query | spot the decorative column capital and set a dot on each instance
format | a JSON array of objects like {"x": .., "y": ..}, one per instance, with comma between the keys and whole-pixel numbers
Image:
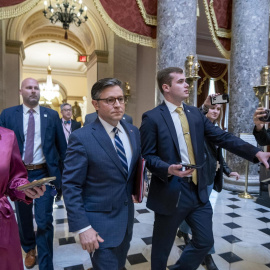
[
  {"x": 15, "y": 47},
  {"x": 97, "y": 56}
]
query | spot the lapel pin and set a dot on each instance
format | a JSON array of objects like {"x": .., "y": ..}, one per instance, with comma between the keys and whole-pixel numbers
[
  {"x": 131, "y": 130},
  {"x": 188, "y": 110},
  {"x": 45, "y": 115}
]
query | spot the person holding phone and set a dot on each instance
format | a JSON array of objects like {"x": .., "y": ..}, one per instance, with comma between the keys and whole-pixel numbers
[
  {"x": 214, "y": 169},
  {"x": 13, "y": 174},
  {"x": 171, "y": 133}
]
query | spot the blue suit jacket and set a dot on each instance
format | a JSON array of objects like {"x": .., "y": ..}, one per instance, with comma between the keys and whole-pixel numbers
[
  {"x": 52, "y": 136},
  {"x": 95, "y": 188},
  {"x": 160, "y": 148},
  {"x": 91, "y": 117}
]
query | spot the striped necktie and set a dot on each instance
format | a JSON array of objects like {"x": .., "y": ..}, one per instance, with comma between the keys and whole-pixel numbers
[
  {"x": 186, "y": 133},
  {"x": 120, "y": 150}
]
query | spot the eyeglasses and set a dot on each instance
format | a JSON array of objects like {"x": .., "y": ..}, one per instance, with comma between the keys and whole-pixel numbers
[
  {"x": 112, "y": 100},
  {"x": 67, "y": 110}
]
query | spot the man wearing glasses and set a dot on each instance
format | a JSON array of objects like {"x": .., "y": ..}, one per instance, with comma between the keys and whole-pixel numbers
[{"x": 97, "y": 187}]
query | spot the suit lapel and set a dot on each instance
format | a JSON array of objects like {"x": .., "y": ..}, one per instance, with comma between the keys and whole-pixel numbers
[
  {"x": 192, "y": 129},
  {"x": 19, "y": 118},
  {"x": 72, "y": 125},
  {"x": 105, "y": 142},
  {"x": 168, "y": 119},
  {"x": 43, "y": 123}
]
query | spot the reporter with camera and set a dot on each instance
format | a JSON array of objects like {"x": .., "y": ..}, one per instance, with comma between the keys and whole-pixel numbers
[{"x": 260, "y": 118}]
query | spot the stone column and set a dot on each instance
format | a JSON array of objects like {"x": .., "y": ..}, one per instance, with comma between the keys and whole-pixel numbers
[
  {"x": 13, "y": 71},
  {"x": 176, "y": 34},
  {"x": 249, "y": 52}
]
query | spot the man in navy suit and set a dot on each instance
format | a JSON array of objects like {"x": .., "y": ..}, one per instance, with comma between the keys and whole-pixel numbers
[
  {"x": 91, "y": 117},
  {"x": 173, "y": 133},
  {"x": 42, "y": 146},
  {"x": 98, "y": 179}
]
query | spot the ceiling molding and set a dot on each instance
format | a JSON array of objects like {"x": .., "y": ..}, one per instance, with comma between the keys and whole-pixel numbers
[{"x": 40, "y": 70}]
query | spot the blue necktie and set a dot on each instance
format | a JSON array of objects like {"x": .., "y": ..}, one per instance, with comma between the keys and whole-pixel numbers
[
  {"x": 120, "y": 150},
  {"x": 67, "y": 122}
]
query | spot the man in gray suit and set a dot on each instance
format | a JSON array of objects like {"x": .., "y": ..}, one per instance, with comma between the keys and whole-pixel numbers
[
  {"x": 98, "y": 187},
  {"x": 91, "y": 117}
]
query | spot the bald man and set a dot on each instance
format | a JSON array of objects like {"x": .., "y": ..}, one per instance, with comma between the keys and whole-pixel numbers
[{"x": 42, "y": 147}]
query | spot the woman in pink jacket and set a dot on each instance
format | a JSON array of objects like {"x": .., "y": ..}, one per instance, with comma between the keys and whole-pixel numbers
[{"x": 12, "y": 175}]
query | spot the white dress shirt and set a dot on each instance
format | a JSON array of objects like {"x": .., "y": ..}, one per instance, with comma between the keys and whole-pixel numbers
[
  {"x": 126, "y": 143},
  {"x": 39, "y": 158},
  {"x": 179, "y": 131}
]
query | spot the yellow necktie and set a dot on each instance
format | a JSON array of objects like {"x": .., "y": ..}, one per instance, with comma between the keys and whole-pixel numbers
[{"x": 185, "y": 128}]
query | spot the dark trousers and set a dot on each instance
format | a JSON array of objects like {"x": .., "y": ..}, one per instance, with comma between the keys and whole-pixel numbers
[
  {"x": 112, "y": 258},
  {"x": 199, "y": 218},
  {"x": 44, "y": 219}
]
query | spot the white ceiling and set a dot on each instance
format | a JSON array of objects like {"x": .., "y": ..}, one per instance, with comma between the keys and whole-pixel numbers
[{"x": 62, "y": 57}]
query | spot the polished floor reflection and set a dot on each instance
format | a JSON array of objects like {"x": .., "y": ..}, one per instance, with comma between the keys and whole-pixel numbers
[{"x": 241, "y": 230}]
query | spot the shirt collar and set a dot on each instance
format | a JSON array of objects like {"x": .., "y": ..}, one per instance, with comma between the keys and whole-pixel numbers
[
  {"x": 63, "y": 120},
  {"x": 26, "y": 109},
  {"x": 172, "y": 107},
  {"x": 108, "y": 127}
]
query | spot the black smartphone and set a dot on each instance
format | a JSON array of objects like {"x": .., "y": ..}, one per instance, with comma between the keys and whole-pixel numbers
[{"x": 192, "y": 166}]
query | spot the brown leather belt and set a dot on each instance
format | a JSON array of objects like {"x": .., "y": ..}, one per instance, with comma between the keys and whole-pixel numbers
[{"x": 31, "y": 167}]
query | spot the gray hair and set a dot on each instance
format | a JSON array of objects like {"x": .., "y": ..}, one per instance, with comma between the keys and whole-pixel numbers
[{"x": 63, "y": 105}]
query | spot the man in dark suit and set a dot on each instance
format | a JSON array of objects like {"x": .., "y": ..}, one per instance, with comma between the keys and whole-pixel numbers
[
  {"x": 91, "y": 117},
  {"x": 173, "y": 133},
  {"x": 98, "y": 179},
  {"x": 68, "y": 124},
  {"x": 41, "y": 141}
]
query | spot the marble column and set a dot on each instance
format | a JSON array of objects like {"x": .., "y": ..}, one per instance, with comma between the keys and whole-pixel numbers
[
  {"x": 176, "y": 34},
  {"x": 249, "y": 52}
]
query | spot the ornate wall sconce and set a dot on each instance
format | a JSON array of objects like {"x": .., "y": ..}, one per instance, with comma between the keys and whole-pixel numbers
[
  {"x": 262, "y": 91},
  {"x": 127, "y": 91},
  {"x": 192, "y": 69}
]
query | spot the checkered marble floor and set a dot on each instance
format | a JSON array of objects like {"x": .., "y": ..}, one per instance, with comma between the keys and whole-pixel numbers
[{"x": 241, "y": 230}]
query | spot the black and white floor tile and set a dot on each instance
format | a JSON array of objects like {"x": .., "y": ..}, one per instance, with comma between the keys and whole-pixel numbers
[{"x": 241, "y": 230}]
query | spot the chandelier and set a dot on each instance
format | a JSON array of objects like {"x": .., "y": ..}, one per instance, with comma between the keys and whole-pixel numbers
[
  {"x": 49, "y": 90},
  {"x": 66, "y": 12}
]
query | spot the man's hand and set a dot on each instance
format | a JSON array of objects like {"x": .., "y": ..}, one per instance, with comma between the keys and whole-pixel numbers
[
  {"x": 263, "y": 157},
  {"x": 258, "y": 114},
  {"x": 35, "y": 192},
  {"x": 89, "y": 240},
  {"x": 175, "y": 169},
  {"x": 234, "y": 174}
]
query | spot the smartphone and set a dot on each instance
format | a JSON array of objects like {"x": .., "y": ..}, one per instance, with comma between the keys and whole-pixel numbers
[
  {"x": 220, "y": 99},
  {"x": 192, "y": 166}
]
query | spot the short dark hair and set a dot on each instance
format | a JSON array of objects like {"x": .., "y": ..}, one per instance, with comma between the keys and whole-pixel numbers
[
  {"x": 63, "y": 105},
  {"x": 164, "y": 76},
  {"x": 100, "y": 85}
]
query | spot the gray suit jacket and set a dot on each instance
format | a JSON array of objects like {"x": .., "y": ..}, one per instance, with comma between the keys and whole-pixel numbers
[{"x": 91, "y": 117}]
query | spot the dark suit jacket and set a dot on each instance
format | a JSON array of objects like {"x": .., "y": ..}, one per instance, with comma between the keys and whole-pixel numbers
[
  {"x": 91, "y": 117},
  {"x": 262, "y": 137},
  {"x": 95, "y": 188},
  {"x": 52, "y": 136},
  {"x": 160, "y": 148},
  {"x": 214, "y": 155}
]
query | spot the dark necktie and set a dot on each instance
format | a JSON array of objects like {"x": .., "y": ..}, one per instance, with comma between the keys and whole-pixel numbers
[
  {"x": 120, "y": 150},
  {"x": 67, "y": 122},
  {"x": 30, "y": 136}
]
